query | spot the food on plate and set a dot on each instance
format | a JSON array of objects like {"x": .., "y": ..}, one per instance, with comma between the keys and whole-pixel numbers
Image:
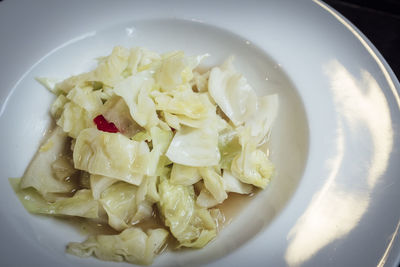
[{"x": 146, "y": 137}]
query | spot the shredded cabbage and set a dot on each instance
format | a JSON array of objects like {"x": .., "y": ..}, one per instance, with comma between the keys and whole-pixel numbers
[{"x": 144, "y": 138}]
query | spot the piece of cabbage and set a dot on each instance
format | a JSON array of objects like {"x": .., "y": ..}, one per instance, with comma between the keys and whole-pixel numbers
[
  {"x": 98, "y": 183},
  {"x": 232, "y": 93},
  {"x": 186, "y": 103},
  {"x": 229, "y": 147},
  {"x": 49, "y": 83},
  {"x": 132, "y": 245},
  {"x": 86, "y": 98},
  {"x": 143, "y": 212},
  {"x": 176, "y": 70},
  {"x": 184, "y": 175},
  {"x": 202, "y": 220},
  {"x": 175, "y": 121},
  {"x": 200, "y": 81},
  {"x": 195, "y": 147},
  {"x": 134, "y": 59},
  {"x": 112, "y": 155},
  {"x": 164, "y": 167},
  {"x": 74, "y": 119},
  {"x": 108, "y": 71},
  {"x": 190, "y": 224},
  {"x": 116, "y": 111},
  {"x": 252, "y": 165},
  {"x": 118, "y": 201},
  {"x": 81, "y": 204},
  {"x": 205, "y": 199},
  {"x": 233, "y": 184},
  {"x": 148, "y": 190},
  {"x": 141, "y": 59},
  {"x": 160, "y": 140},
  {"x": 214, "y": 183},
  {"x": 57, "y": 107},
  {"x": 177, "y": 116},
  {"x": 146, "y": 196},
  {"x": 261, "y": 122},
  {"x": 63, "y": 167},
  {"x": 40, "y": 174},
  {"x": 135, "y": 92},
  {"x": 76, "y": 111},
  {"x": 230, "y": 184}
]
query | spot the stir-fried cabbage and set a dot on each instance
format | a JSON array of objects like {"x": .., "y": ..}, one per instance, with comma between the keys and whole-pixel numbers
[
  {"x": 232, "y": 93},
  {"x": 184, "y": 175},
  {"x": 195, "y": 147},
  {"x": 40, "y": 174},
  {"x": 135, "y": 90},
  {"x": 111, "y": 154},
  {"x": 99, "y": 183},
  {"x": 148, "y": 138},
  {"x": 252, "y": 165},
  {"x": 190, "y": 224},
  {"x": 119, "y": 202},
  {"x": 132, "y": 245},
  {"x": 80, "y": 204},
  {"x": 116, "y": 110}
]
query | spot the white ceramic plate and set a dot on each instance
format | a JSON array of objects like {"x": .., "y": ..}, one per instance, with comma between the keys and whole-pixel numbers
[{"x": 334, "y": 200}]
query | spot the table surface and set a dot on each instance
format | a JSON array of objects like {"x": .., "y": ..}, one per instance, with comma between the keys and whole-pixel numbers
[{"x": 379, "y": 21}]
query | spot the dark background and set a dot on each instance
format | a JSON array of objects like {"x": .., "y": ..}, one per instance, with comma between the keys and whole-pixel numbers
[{"x": 379, "y": 20}]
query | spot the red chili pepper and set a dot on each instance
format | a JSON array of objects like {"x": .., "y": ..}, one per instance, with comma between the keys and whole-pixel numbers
[{"x": 105, "y": 126}]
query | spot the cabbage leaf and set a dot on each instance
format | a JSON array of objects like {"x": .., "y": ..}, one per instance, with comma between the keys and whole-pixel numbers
[
  {"x": 135, "y": 92},
  {"x": 98, "y": 183},
  {"x": 231, "y": 91},
  {"x": 109, "y": 71},
  {"x": 95, "y": 152},
  {"x": 190, "y": 224},
  {"x": 132, "y": 245},
  {"x": 184, "y": 175},
  {"x": 252, "y": 165},
  {"x": 194, "y": 147},
  {"x": 74, "y": 119},
  {"x": 214, "y": 183},
  {"x": 81, "y": 204},
  {"x": 116, "y": 111},
  {"x": 233, "y": 184},
  {"x": 40, "y": 174},
  {"x": 118, "y": 201},
  {"x": 261, "y": 122},
  {"x": 176, "y": 70}
]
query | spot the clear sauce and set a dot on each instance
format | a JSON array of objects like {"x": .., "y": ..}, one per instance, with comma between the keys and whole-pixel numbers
[
  {"x": 89, "y": 227},
  {"x": 232, "y": 206}
]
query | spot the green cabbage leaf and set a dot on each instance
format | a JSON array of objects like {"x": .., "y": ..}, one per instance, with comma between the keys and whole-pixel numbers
[{"x": 132, "y": 245}]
